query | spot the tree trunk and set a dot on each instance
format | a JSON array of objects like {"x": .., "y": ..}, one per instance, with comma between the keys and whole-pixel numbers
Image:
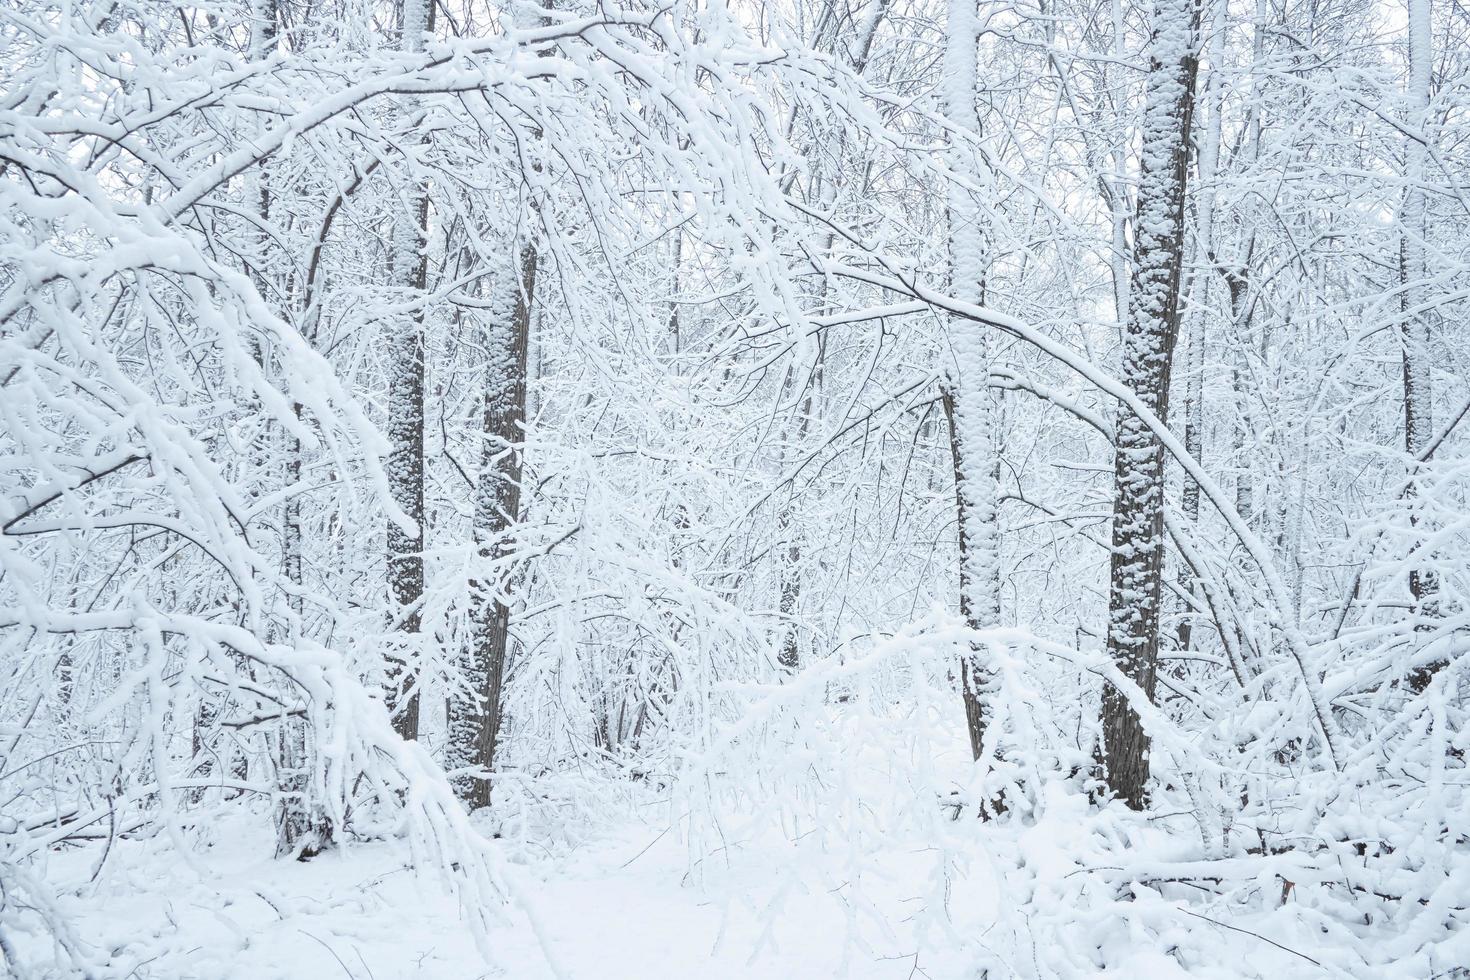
[
  {"x": 979, "y": 584},
  {"x": 302, "y": 827},
  {"x": 1194, "y": 445},
  {"x": 1200, "y": 283},
  {"x": 475, "y": 726},
  {"x": 1148, "y": 352},
  {"x": 406, "y": 427},
  {"x": 1413, "y": 268},
  {"x": 968, "y": 400},
  {"x": 790, "y": 655}
]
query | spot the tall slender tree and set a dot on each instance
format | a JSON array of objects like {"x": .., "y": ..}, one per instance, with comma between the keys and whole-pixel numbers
[
  {"x": 475, "y": 724},
  {"x": 967, "y": 397},
  {"x": 1413, "y": 271},
  {"x": 1199, "y": 286},
  {"x": 1136, "y": 566},
  {"x": 406, "y": 419}
]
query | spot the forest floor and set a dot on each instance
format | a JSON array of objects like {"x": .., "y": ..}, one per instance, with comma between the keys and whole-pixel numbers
[
  {"x": 620, "y": 907},
  {"x": 619, "y": 893}
]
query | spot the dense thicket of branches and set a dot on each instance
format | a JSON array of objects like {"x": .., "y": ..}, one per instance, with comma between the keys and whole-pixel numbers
[{"x": 417, "y": 408}]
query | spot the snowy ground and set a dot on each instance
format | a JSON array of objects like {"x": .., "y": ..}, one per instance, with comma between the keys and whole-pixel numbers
[
  {"x": 623, "y": 907},
  {"x": 888, "y": 888}
]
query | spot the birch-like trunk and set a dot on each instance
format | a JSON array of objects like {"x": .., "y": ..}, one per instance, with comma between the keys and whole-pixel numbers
[
  {"x": 1148, "y": 353},
  {"x": 789, "y": 656},
  {"x": 967, "y": 399},
  {"x": 1414, "y": 270}
]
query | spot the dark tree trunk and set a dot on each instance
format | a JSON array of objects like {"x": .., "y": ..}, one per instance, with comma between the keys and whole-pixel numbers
[
  {"x": 475, "y": 726},
  {"x": 406, "y": 429},
  {"x": 1148, "y": 352}
]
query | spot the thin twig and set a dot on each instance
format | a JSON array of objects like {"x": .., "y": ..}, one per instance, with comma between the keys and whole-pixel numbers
[{"x": 1226, "y": 925}]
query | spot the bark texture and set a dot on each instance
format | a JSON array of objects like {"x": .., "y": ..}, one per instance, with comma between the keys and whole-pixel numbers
[
  {"x": 1148, "y": 351},
  {"x": 475, "y": 725},
  {"x": 968, "y": 399},
  {"x": 406, "y": 427},
  {"x": 1418, "y": 381}
]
